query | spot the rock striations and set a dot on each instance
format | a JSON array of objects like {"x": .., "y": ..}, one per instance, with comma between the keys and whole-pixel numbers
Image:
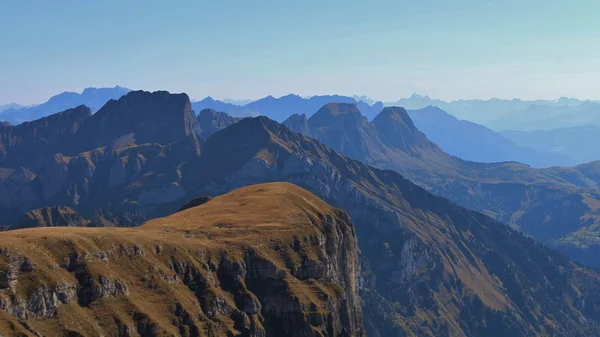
[{"x": 265, "y": 260}]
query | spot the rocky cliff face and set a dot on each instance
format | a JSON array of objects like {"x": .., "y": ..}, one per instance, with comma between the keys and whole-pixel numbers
[
  {"x": 29, "y": 144},
  {"x": 267, "y": 260},
  {"x": 143, "y": 117},
  {"x": 125, "y": 156}
]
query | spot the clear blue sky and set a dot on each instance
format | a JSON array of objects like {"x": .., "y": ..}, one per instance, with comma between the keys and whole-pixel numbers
[{"x": 251, "y": 48}]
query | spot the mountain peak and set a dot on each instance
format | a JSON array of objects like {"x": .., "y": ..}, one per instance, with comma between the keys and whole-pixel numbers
[
  {"x": 398, "y": 128},
  {"x": 330, "y": 112},
  {"x": 147, "y": 117},
  {"x": 396, "y": 114},
  {"x": 211, "y": 121},
  {"x": 298, "y": 123}
]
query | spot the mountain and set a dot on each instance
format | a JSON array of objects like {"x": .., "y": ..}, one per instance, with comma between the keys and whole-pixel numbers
[
  {"x": 542, "y": 117},
  {"x": 514, "y": 114},
  {"x": 138, "y": 118},
  {"x": 31, "y": 142},
  {"x": 50, "y": 217},
  {"x": 474, "y": 142},
  {"x": 573, "y": 141},
  {"x": 298, "y": 124},
  {"x": 428, "y": 267},
  {"x": 548, "y": 204},
  {"x": 132, "y": 146},
  {"x": 67, "y": 217},
  {"x": 209, "y": 103},
  {"x": 94, "y": 98},
  {"x": 239, "y": 102},
  {"x": 211, "y": 121},
  {"x": 8, "y": 106},
  {"x": 365, "y": 99},
  {"x": 266, "y": 260},
  {"x": 281, "y": 108},
  {"x": 432, "y": 268}
]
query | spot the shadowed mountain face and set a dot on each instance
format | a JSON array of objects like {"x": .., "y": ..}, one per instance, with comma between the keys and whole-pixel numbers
[
  {"x": 67, "y": 217},
  {"x": 141, "y": 117},
  {"x": 549, "y": 204},
  {"x": 31, "y": 142},
  {"x": 475, "y": 142},
  {"x": 429, "y": 267},
  {"x": 575, "y": 141},
  {"x": 211, "y": 121},
  {"x": 89, "y": 162},
  {"x": 94, "y": 98}
]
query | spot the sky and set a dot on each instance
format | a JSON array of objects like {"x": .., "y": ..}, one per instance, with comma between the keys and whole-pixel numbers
[{"x": 447, "y": 49}]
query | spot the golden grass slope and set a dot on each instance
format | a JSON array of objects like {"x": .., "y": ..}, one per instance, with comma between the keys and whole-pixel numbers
[{"x": 258, "y": 260}]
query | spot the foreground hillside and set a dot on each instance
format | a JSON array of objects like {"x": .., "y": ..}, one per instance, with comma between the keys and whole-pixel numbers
[{"x": 266, "y": 260}]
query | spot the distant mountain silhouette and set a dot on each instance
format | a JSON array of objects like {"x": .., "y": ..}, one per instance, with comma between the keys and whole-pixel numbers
[
  {"x": 574, "y": 141},
  {"x": 513, "y": 114},
  {"x": 474, "y": 142},
  {"x": 94, "y": 98},
  {"x": 279, "y": 109},
  {"x": 211, "y": 121},
  {"x": 542, "y": 117},
  {"x": 10, "y": 106}
]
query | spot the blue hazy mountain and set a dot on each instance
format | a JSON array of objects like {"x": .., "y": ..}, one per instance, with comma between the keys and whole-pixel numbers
[
  {"x": 513, "y": 114},
  {"x": 237, "y": 101},
  {"x": 10, "y": 106},
  {"x": 94, "y": 98},
  {"x": 279, "y": 109},
  {"x": 578, "y": 142},
  {"x": 475, "y": 142},
  {"x": 543, "y": 117}
]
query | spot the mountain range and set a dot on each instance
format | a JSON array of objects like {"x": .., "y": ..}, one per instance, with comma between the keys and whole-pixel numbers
[
  {"x": 475, "y": 142},
  {"x": 453, "y": 135},
  {"x": 8, "y": 106},
  {"x": 574, "y": 141},
  {"x": 553, "y": 205},
  {"x": 428, "y": 266},
  {"x": 94, "y": 98},
  {"x": 281, "y": 108},
  {"x": 515, "y": 114}
]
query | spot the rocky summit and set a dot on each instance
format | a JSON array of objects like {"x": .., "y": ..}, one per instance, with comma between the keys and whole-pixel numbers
[{"x": 265, "y": 260}]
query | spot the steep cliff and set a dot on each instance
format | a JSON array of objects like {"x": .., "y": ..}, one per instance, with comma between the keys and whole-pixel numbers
[{"x": 265, "y": 260}]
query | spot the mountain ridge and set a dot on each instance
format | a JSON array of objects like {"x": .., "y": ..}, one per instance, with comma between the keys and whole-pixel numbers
[
  {"x": 94, "y": 98},
  {"x": 474, "y": 142}
]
